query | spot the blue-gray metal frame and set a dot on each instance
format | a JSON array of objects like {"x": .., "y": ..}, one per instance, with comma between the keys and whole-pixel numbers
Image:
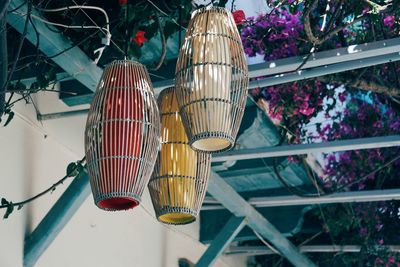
[
  {"x": 55, "y": 220},
  {"x": 221, "y": 241},
  {"x": 303, "y": 149},
  {"x": 74, "y": 61},
  {"x": 228, "y": 197}
]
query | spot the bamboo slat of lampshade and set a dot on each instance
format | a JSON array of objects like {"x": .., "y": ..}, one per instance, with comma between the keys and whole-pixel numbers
[
  {"x": 179, "y": 181},
  {"x": 122, "y": 136},
  {"x": 211, "y": 80}
]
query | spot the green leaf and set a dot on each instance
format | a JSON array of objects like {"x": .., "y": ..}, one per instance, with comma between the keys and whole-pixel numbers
[
  {"x": 151, "y": 30},
  {"x": 9, "y": 118},
  {"x": 222, "y": 3},
  {"x": 20, "y": 86},
  {"x": 72, "y": 169},
  {"x": 41, "y": 80},
  {"x": 51, "y": 75},
  {"x": 9, "y": 210},
  {"x": 4, "y": 201},
  {"x": 170, "y": 28},
  {"x": 80, "y": 167}
]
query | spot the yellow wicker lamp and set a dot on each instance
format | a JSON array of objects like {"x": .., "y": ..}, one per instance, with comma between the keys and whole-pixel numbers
[
  {"x": 179, "y": 181},
  {"x": 211, "y": 80}
]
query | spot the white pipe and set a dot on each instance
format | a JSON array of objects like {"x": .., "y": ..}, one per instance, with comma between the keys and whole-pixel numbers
[
  {"x": 258, "y": 250},
  {"x": 344, "y": 197},
  {"x": 302, "y": 149}
]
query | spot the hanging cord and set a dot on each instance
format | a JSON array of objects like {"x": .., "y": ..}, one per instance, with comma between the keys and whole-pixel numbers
[
  {"x": 126, "y": 30},
  {"x": 19, "y": 47},
  {"x": 180, "y": 26},
  {"x": 105, "y": 30},
  {"x": 165, "y": 14}
]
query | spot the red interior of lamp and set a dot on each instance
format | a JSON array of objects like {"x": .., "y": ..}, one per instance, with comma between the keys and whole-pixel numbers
[{"x": 118, "y": 203}]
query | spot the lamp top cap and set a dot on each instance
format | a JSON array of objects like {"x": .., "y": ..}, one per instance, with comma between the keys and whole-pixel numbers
[
  {"x": 125, "y": 62},
  {"x": 215, "y": 9}
]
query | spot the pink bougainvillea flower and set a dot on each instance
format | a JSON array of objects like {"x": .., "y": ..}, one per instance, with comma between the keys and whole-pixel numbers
[
  {"x": 307, "y": 111},
  {"x": 122, "y": 2},
  {"x": 388, "y": 21},
  {"x": 391, "y": 259},
  {"x": 238, "y": 16},
  {"x": 139, "y": 38}
]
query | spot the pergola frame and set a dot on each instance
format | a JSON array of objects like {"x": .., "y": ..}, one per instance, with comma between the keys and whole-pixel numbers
[{"x": 79, "y": 66}]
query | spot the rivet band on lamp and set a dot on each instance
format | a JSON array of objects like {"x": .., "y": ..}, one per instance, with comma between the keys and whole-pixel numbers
[
  {"x": 179, "y": 181},
  {"x": 212, "y": 80},
  {"x": 122, "y": 135}
]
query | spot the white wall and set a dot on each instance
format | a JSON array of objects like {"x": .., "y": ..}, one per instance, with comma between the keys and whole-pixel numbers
[{"x": 35, "y": 155}]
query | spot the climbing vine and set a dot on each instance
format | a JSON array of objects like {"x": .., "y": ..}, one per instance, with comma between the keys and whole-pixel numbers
[{"x": 355, "y": 104}]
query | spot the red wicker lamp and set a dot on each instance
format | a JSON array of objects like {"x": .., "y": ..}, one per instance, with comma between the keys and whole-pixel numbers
[{"x": 122, "y": 136}]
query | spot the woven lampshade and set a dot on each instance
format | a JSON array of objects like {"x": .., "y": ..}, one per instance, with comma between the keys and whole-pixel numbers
[
  {"x": 122, "y": 136},
  {"x": 211, "y": 80},
  {"x": 179, "y": 181}
]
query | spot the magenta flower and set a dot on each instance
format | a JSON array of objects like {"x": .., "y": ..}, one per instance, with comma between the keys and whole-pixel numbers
[{"x": 388, "y": 21}]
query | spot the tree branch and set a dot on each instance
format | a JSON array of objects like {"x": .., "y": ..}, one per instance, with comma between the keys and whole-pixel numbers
[
  {"x": 163, "y": 43},
  {"x": 376, "y": 6},
  {"x": 318, "y": 40},
  {"x": 72, "y": 171},
  {"x": 307, "y": 24},
  {"x": 363, "y": 85}
]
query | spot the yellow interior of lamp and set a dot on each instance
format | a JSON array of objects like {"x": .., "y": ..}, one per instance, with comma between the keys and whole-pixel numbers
[
  {"x": 211, "y": 144},
  {"x": 177, "y": 192},
  {"x": 178, "y": 164},
  {"x": 177, "y": 218}
]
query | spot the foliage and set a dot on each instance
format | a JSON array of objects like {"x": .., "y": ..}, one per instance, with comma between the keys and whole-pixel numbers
[
  {"x": 282, "y": 33},
  {"x": 374, "y": 223},
  {"x": 73, "y": 170},
  {"x": 363, "y": 117},
  {"x": 295, "y": 28},
  {"x": 147, "y": 21}
]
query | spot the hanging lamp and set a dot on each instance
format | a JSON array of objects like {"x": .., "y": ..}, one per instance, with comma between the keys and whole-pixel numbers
[
  {"x": 179, "y": 181},
  {"x": 212, "y": 80},
  {"x": 122, "y": 135}
]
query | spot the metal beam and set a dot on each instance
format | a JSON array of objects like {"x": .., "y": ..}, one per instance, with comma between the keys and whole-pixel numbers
[
  {"x": 325, "y": 147},
  {"x": 344, "y": 197},
  {"x": 319, "y": 64},
  {"x": 72, "y": 198},
  {"x": 221, "y": 241},
  {"x": 225, "y": 194},
  {"x": 334, "y": 56},
  {"x": 74, "y": 61},
  {"x": 55, "y": 220},
  {"x": 304, "y": 74},
  {"x": 324, "y": 70},
  {"x": 262, "y": 250}
]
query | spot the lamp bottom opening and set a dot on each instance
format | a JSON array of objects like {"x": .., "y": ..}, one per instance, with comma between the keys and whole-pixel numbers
[
  {"x": 177, "y": 218},
  {"x": 212, "y": 144},
  {"x": 118, "y": 203}
]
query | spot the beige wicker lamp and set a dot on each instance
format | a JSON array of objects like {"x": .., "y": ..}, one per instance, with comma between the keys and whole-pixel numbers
[
  {"x": 122, "y": 136},
  {"x": 211, "y": 80},
  {"x": 179, "y": 181}
]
